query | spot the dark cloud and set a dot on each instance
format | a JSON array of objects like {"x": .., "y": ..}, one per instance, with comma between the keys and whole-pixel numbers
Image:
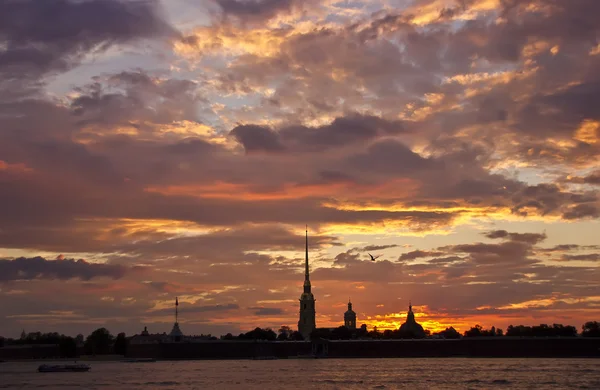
[
  {"x": 586, "y": 257},
  {"x": 390, "y": 157},
  {"x": 497, "y": 234},
  {"x": 54, "y": 35},
  {"x": 266, "y": 311},
  {"x": 39, "y": 268},
  {"x": 505, "y": 250},
  {"x": 197, "y": 308},
  {"x": 531, "y": 238},
  {"x": 139, "y": 98},
  {"x": 563, "y": 247},
  {"x": 258, "y": 10},
  {"x": 588, "y": 210},
  {"x": 593, "y": 178},
  {"x": 348, "y": 130},
  {"x": 378, "y": 247},
  {"x": 257, "y": 138},
  {"x": 418, "y": 254}
]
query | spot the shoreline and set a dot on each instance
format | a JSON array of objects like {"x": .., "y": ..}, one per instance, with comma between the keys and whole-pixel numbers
[{"x": 45, "y": 361}]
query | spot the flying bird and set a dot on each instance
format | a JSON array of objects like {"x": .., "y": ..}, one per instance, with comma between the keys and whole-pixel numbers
[{"x": 374, "y": 258}]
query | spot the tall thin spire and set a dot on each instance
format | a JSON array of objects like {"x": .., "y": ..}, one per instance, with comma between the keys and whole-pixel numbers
[
  {"x": 306, "y": 272},
  {"x": 306, "y": 261},
  {"x": 306, "y": 322},
  {"x": 176, "y": 309}
]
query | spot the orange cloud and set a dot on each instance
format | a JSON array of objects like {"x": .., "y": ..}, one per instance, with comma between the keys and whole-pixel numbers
[
  {"x": 14, "y": 168},
  {"x": 345, "y": 189}
]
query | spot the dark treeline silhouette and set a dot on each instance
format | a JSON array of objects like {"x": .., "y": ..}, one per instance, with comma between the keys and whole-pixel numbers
[
  {"x": 67, "y": 345},
  {"x": 542, "y": 330},
  {"x": 285, "y": 334},
  {"x": 343, "y": 333},
  {"x": 591, "y": 329},
  {"x": 101, "y": 341},
  {"x": 478, "y": 331},
  {"x": 448, "y": 333}
]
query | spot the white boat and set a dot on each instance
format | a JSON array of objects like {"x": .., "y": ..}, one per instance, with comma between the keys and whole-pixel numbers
[{"x": 64, "y": 368}]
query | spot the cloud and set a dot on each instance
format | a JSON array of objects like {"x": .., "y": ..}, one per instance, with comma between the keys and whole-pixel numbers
[
  {"x": 532, "y": 238},
  {"x": 266, "y": 311},
  {"x": 54, "y": 36},
  {"x": 222, "y": 244},
  {"x": 197, "y": 308},
  {"x": 585, "y": 257},
  {"x": 378, "y": 247},
  {"x": 256, "y": 138},
  {"x": 259, "y": 10},
  {"x": 39, "y": 268},
  {"x": 342, "y": 131},
  {"x": 418, "y": 254},
  {"x": 145, "y": 101}
]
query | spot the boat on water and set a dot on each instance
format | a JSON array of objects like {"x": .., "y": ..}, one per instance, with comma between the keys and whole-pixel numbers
[
  {"x": 64, "y": 368},
  {"x": 139, "y": 360}
]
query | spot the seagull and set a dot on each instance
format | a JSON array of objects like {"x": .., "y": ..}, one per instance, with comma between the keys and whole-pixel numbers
[{"x": 374, "y": 258}]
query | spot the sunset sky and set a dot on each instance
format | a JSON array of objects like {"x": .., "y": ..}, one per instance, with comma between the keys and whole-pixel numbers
[{"x": 154, "y": 149}]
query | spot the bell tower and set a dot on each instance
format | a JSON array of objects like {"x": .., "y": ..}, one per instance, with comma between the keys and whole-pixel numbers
[
  {"x": 350, "y": 317},
  {"x": 307, "y": 322}
]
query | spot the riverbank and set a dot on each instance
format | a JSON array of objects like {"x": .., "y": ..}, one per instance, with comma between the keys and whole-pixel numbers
[{"x": 466, "y": 347}]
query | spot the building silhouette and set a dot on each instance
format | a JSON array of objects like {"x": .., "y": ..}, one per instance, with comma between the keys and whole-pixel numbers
[
  {"x": 307, "y": 321},
  {"x": 411, "y": 328},
  {"x": 176, "y": 333},
  {"x": 350, "y": 317}
]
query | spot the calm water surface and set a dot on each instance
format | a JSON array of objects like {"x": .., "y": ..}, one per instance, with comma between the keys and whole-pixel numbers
[{"x": 453, "y": 373}]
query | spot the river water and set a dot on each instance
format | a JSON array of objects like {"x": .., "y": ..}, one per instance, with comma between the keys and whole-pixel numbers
[{"x": 454, "y": 373}]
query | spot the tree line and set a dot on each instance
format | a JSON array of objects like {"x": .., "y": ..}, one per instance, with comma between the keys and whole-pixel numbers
[
  {"x": 101, "y": 341},
  {"x": 285, "y": 333}
]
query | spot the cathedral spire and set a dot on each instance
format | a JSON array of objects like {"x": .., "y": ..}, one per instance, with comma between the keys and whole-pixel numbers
[
  {"x": 306, "y": 322},
  {"x": 306, "y": 259},
  {"x": 176, "y": 334},
  {"x": 307, "y": 286}
]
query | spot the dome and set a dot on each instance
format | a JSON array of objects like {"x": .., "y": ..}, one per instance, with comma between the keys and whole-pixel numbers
[{"x": 411, "y": 329}]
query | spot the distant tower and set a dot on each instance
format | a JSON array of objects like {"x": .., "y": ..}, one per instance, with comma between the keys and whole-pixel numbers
[
  {"x": 23, "y": 335},
  {"x": 307, "y": 322},
  {"x": 176, "y": 334},
  {"x": 350, "y": 317}
]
